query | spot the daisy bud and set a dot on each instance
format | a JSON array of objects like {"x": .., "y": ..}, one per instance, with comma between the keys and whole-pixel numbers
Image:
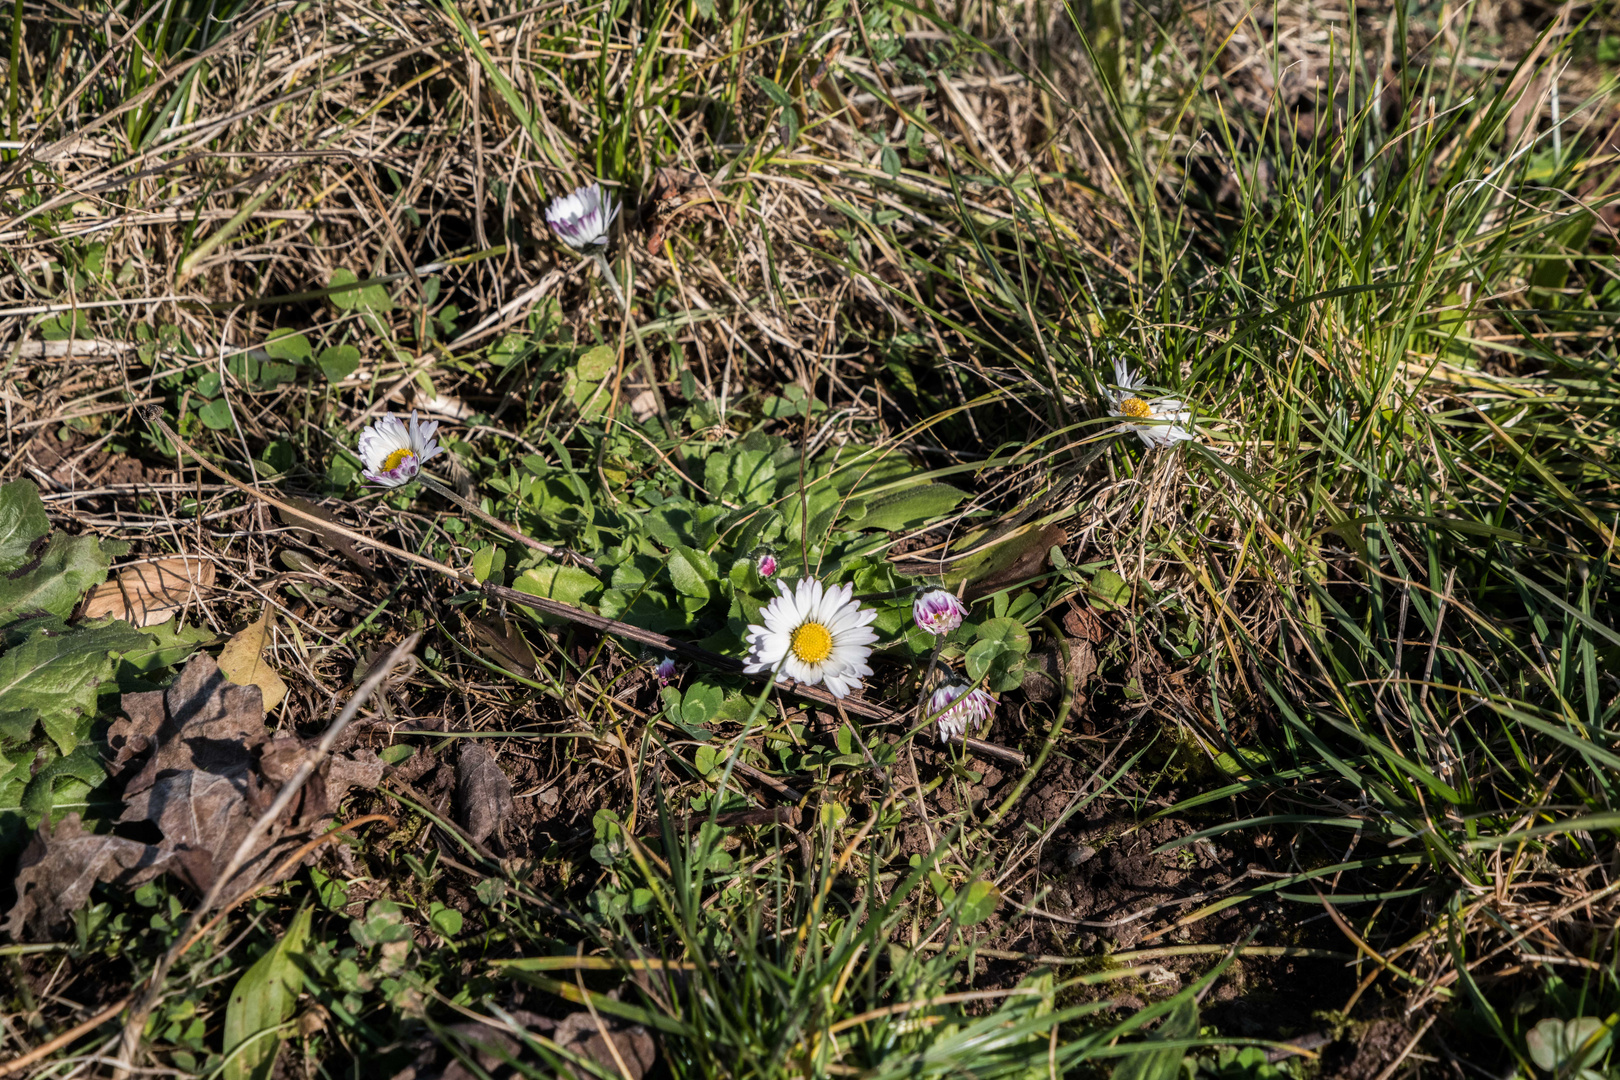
[
  {"x": 959, "y": 710},
  {"x": 581, "y": 218},
  {"x": 938, "y": 612},
  {"x": 815, "y": 635},
  {"x": 766, "y": 565},
  {"x": 665, "y": 670},
  {"x": 393, "y": 451}
]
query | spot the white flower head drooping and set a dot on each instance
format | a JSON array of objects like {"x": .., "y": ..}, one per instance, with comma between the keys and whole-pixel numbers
[
  {"x": 581, "y": 218},
  {"x": 959, "y": 710},
  {"x": 815, "y": 635},
  {"x": 393, "y": 451},
  {"x": 1160, "y": 421},
  {"x": 938, "y": 612}
]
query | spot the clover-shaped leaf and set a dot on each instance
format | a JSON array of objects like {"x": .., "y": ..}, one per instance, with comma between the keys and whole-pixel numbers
[
  {"x": 997, "y": 656},
  {"x": 1565, "y": 1047}
]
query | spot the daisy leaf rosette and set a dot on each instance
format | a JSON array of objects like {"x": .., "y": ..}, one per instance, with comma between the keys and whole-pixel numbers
[
  {"x": 814, "y": 635},
  {"x": 1159, "y": 421},
  {"x": 581, "y": 218},
  {"x": 394, "y": 450}
]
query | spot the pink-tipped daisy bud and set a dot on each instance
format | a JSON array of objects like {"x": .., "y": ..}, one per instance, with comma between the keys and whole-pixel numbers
[
  {"x": 959, "y": 710},
  {"x": 938, "y": 612},
  {"x": 665, "y": 670},
  {"x": 766, "y": 565}
]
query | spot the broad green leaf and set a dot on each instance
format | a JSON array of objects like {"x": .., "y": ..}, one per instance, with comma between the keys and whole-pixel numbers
[
  {"x": 486, "y": 561},
  {"x": 53, "y": 582},
  {"x": 216, "y": 415},
  {"x": 262, "y": 1000},
  {"x": 588, "y": 384},
  {"x": 366, "y": 298},
  {"x": 997, "y": 656},
  {"x": 774, "y": 91},
  {"x": 22, "y": 521},
  {"x": 62, "y": 784},
  {"x": 446, "y": 921},
  {"x": 916, "y": 506},
  {"x": 1111, "y": 590},
  {"x": 288, "y": 345},
  {"x": 692, "y": 572},
  {"x": 384, "y": 922},
  {"x": 565, "y": 584},
  {"x": 979, "y": 903},
  {"x": 339, "y": 362},
  {"x": 51, "y": 679},
  {"x": 745, "y": 476}
]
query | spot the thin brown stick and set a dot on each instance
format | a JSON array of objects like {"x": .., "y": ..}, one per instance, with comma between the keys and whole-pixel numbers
[
  {"x": 433, "y": 485},
  {"x": 565, "y": 611}
]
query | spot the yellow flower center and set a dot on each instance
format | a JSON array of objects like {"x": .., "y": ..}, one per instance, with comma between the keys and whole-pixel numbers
[
  {"x": 812, "y": 643},
  {"x": 1136, "y": 408},
  {"x": 396, "y": 459}
]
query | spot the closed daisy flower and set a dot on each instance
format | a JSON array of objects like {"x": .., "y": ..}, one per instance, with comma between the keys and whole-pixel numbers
[
  {"x": 959, "y": 710},
  {"x": 582, "y": 217},
  {"x": 394, "y": 451},
  {"x": 814, "y": 635},
  {"x": 1157, "y": 421},
  {"x": 938, "y": 612}
]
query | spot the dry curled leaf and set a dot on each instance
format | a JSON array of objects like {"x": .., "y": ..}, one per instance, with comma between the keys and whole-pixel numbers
[
  {"x": 244, "y": 663},
  {"x": 587, "y": 1036},
  {"x": 150, "y": 592},
  {"x": 57, "y": 871},
  {"x": 483, "y": 792},
  {"x": 199, "y": 765},
  {"x": 678, "y": 194}
]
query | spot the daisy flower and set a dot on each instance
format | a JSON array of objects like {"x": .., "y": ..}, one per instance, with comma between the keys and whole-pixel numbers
[
  {"x": 959, "y": 710},
  {"x": 815, "y": 635},
  {"x": 582, "y": 217},
  {"x": 1157, "y": 421},
  {"x": 938, "y": 612},
  {"x": 766, "y": 565},
  {"x": 394, "y": 451}
]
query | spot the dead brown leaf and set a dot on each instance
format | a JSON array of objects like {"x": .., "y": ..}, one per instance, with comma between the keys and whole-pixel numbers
[
  {"x": 504, "y": 644},
  {"x": 679, "y": 194},
  {"x": 583, "y": 1034},
  {"x": 483, "y": 792},
  {"x": 150, "y": 592},
  {"x": 198, "y": 764},
  {"x": 57, "y": 871},
  {"x": 243, "y": 660}
]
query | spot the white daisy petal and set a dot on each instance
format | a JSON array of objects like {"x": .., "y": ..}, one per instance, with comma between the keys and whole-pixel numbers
[
  {"x": 393, "y": 451},
  {"x": 814, "y": 635},
  {"x": 1161, "y": 421},
  {"x": 581, "y": 218}
]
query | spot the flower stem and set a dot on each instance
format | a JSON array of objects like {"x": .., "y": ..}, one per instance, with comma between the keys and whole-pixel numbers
[{"x": 613, "y": 282}]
